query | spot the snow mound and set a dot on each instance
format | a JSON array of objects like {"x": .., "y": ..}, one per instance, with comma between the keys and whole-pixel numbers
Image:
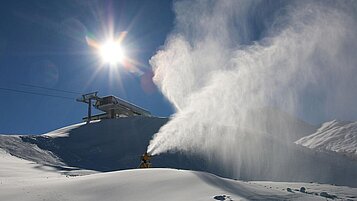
[
  {"x": 335, "y": 136},
  {"x": 107, "y": 145}
]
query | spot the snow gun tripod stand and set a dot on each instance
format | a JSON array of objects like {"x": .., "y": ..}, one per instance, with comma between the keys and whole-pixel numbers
[{"x": 145, "y": 161}]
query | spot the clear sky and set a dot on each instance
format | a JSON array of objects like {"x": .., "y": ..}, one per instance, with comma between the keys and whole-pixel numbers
[{"x": 43, "y": 43}]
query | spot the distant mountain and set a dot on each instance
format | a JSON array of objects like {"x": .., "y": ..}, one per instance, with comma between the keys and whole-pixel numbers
[{"x": 334, "y": 136}]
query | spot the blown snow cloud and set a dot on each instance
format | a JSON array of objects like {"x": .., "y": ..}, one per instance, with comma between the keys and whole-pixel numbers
[{"x": 226, "y": 59}]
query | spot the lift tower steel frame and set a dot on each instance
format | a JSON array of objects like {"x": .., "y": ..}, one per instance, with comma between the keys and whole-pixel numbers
[{"x": 87, "y": 98}]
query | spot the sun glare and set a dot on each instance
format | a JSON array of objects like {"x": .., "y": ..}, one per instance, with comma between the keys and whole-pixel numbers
[{"x": 111, "y": 52}]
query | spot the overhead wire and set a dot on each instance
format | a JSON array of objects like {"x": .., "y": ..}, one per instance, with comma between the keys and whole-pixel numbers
[
  {"x": 49, "y": 88},
  {"x": 35, "y": 93}
]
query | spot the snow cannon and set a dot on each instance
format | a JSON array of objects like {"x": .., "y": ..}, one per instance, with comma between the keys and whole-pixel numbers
[{"x": 145, "y": 161}]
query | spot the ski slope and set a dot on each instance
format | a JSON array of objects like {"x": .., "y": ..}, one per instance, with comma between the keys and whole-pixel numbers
[
  {"x": 117, "y": 144},
  {"x": 334, "y": 136},
  {"x": 22, "y": 180}
]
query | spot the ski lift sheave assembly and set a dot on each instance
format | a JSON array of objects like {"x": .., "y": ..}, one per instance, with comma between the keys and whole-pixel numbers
[{"x": 87, "y": 98}]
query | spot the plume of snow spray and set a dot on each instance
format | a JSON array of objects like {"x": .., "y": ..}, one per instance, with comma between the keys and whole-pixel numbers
[{"x": 226, "y": 62}]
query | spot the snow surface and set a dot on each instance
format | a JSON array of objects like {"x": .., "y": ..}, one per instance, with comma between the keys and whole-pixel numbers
[
  {"x": 335, "y": 136},
  {"x": 68, "y": 164},
  {"x": 117, "y": 144},
  {"x": 24, "y": 180},
  {"x": 63, "y": 132},
  {"x": 15, "y": 145},
  {"x": 13, "y": 167},
  {"x": 338, "y": 192}
]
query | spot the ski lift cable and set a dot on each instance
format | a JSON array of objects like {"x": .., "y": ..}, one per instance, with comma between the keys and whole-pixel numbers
[
  {"x": 49, "y": 88},
  {"x": 35, "y": 93}
]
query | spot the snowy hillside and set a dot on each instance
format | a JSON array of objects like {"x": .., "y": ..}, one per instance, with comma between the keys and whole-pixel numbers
[
  {"x": 113, "y": 144},
  {"x": 117, "y": 144},
  {"x": 22, "y": 180},
  {"x": 335, "y": 136}
]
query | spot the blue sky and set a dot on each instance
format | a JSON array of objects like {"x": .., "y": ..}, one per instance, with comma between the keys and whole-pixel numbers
[{"x": 43, "y": 43}]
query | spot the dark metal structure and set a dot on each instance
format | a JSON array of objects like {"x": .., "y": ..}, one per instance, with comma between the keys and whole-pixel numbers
[{"x": 113, "y": 107}]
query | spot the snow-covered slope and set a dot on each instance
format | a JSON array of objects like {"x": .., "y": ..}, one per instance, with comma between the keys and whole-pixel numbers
[
  {"x": 113, "y": 144},
  {"x": 14, "y": 167},
  {"x": 14, "y": 145},
  {"x": 22, "y": 180},
  {"x": 117, "y": 144},
  {"x": 335, "y": 136},
  {"x": 107, "y": 145}
]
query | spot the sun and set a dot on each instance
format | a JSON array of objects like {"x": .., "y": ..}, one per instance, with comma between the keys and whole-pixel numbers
[{"x": 112, "y": 52}]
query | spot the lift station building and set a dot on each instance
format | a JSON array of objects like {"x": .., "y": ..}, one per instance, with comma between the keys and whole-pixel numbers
[{"x": 111, "y": 106}]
